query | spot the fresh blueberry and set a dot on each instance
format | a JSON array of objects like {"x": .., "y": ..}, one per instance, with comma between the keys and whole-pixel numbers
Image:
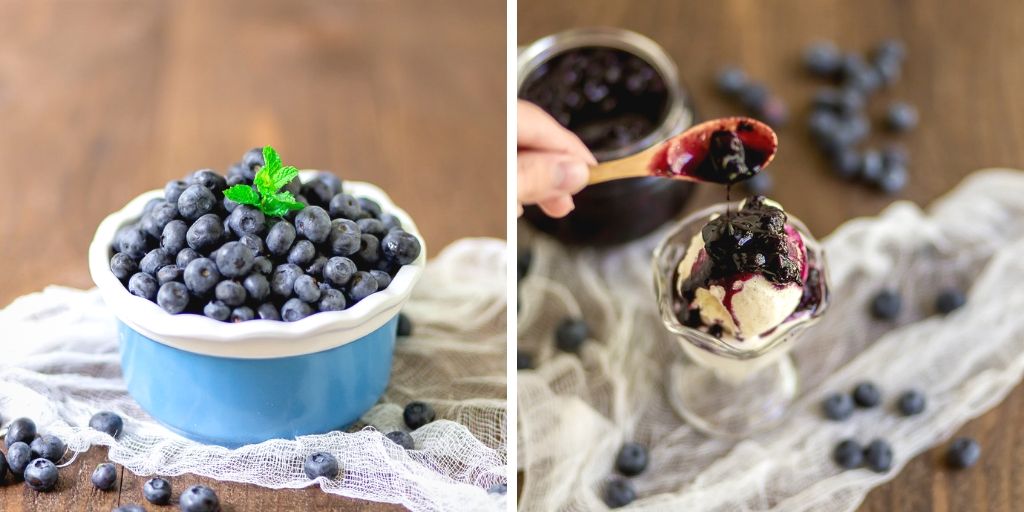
[
  {"x": 846, "y": 163},
  {"x": 173, "y": 237},
  {"x": 41, "y": 475},
  {"x": 370, "y": 207},
  {"x": 242, "y": 314},
  {"x": 731, "y": 80},
  {"x": 570, "y": 334},
  {"x": 268, "y": 311},
  {"x": 871, "y": 166},
  {"x": 403, "y": 439},
  {"x": 20, "y": 430},
  {"x": 949, "y": 300},
  {"x": 895, "y": 154},
  {"x": 307, "y": 289},
  {"x": 253, "y": 160},
  {"x": 774, "y": 111},
  {"x": 752, "y": 96},
  {"x": 361, "y": 286},
  {"x": 173, "y": 190},
  {"x": 256, "y": 286},
  {"x": 280, "y": 238},
  {"x": 49, "y": 447},
  {"x": 524, "y": 360},
  {"x": 123, "y": 266},
  {"x": 400, "y": 247},
  {"x": 230, "y": 293},
  {"x": 199, "y": 498},
  {"x": 129, "y": 508},
  {"x": 866, "y": 395},
  {"x": 344, "y": 206},
  {"x": 254, "y": 243},
  {"x": 155, "y": 260},
  {"x": 157, "y": 491},
  {"x": 104, "y": 476},
  {"x": 205, "y": 233},
  {"x": 760, "y": 184},
  {"x": 143, "y": 285},
  {"x": 878, "y": 456},
  {"x": 247, "y": 220},
  {"x": 294, "y": 310},
  {"x": 210, "y": 179},
  {"x": 195, "y": 202},
  {"x": 838, "y": 406},
  {"x": 369, "y": 248},
  {"x": 303, "y": 253},
  {"x": 417, "y": 414},
  {"x": 108, "y": 422},
  {"x": 18, "y": 457},
  {"x": 372, "y": 226},
  {"x": 154, "y": 222},
  {"x": 186, "y": 256},
  {"x": 313, "y": 223},
  {"x": 316, "y": 267},
  {"x": 201, "y": 276},
  {"x": 404, "y": 325},
  {"x": 501, "y": 489},
  {"x": 619, "y": 492},
  {"x": 632, "y": 459},
  {"x": 886, "y": 305},
  {"x": 890, "y": 49},
  {"x": 848, "y": 454},
  {"x": 823, "y": 59},
  {"x": 282, "y": 282},
  {"x": 911, "y": 402},
  {"x": 889, "y": 69},
  {"x": 152, "y": 203},
  {"x": 234, "y": 259},
  {"x": 339, "y": 270},
  {"x": 262, "y": 265},
  {"x": 858, "y": 74},
  {"x": 173, "y": 297},
  {"x": 893, "y": 179},
  {"x": 331, "y": 300},
  {"x": 383, "y": 279},
  {"x": 3, "y": 467},
  {"x": 217, "y": 310},
  {"x": 964, "y": 452},
  {"x": 901, "y": 117},
  {"x": 321, "y": 464},
  {"x": 524, "y": 260},
  {"x": 317, "y": 192},
  {"x": 390, "y": 222},
  {"x": 132, "y": 241},
  {"x": 344, "y": 239}
]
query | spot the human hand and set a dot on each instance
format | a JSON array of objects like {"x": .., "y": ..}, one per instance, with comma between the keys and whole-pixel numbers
[{"x": 553, "y": 164}]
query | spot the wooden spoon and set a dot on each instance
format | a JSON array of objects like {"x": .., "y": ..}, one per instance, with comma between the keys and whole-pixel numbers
[{"x": 721, "y": 151}]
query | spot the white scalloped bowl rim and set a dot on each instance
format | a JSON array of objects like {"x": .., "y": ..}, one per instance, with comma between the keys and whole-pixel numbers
[{"x": 148, "y": 318}]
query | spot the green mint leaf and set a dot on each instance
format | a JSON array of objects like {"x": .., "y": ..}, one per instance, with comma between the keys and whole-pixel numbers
[
  {"x": 264, "y": 182},
  {"x": 275, "y": 210},
  {"x": 283, "y": 176},
  {"x": 243, "y": 194},
  {"x": 288, "y": 200},
  {"x": 271, "y": 159}
]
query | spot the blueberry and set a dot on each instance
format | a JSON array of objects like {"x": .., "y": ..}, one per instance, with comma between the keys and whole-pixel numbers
[
  {"x": 878, "y": 456},
  {"x": 217, "y": 310},
  {"x": 570, "y": 334},
  {"x": 866, "y": 395},
  {"x": 632, "y": 459},
  {"x": 199, "y": 498},
  {"x": 41, "y": 475},
  {"x": 871, "y": 165},
  {"x": 155, "y": 260},
  {"x": 344, "y": 206},
  {"x": 3, "y": 467},
  {"x": 846, "y": 163},
  {"x": 911, "y": 402},
  {"x": 344, "y": 239},
  {"x": 753, "y": 96},
  {"x": 401, "y": 247},
  {"x": 760, "y": 184},
  {"x": 404, "y": 325},
  {"x": 501, "y": 489},
  {"x": 402, "y": 439},
  {"x": 889, "y": 69},
  {"x": 201, "y": 276},
  {"x": 369, "y": 248},
  {"x": 123, "y": 266},
  {"x": 20, "y": 430},
  {"x": 173, "y": 297},
  {"x": 173, "y": 190},
  {"x": 886, "y": 305},
  {"x": 280, "y": 238},
  {"x": 48, "y": 447},
  {"x": 321, "y": 464},
  {"x": 949, "y": 300},
  {"x": 313, "y": 223},
  {"x": 230, "y": 293},
  {"x": 173, "y": 237},
  {"x": 254, "y": 243},
  {"x": 390, "y": 222},
  {"x": 253, "y": 160},
  {"x": 143, "y": 285},
  {"x": 893, "y": 179},
  {"x": 619, "y": 492},
  {"x": 838, "y": 406},
  {"x": 282, "y": 282},
  {"x": 154, "y": 222},
  {"x": 256, "y": 286},
  {"x": 186, "y": 256},
  {"x": 104, "y": 476},
  {"x": 823, "y": 59},
  {"x": 383, "y": 279},
  {"x": 132, "y": 241},
  {"x": 107, "y": 422},
  {"x": 268, "y": 311},
  {"x": 848, "y": 454},
  {"x": 339, "y": 270},
  {"x": 317, "y": 192},
  {"x": 210, "y": 179},
  {"x": 242, "y": 314},
  {"x": 964, "y": 452},
  {"x": 331, "y": 300},
  {"x": 858, "y": 74},
  {"x": 307, "y": 289},
  {"x": 845, "y": 102},
  {"x": 247, "y": 220},
  {"x": 773, "y": 111},
  {"x": 524, "y": 360},
  {"x": 417, "y": 414},
  {"x": 150, "y": 205},
  {"x": 524, "y": 260},
  {"x": 262, "y": 265},
  {"x": 890, "y": 49},
  {"x": 895, "y": 154},
  {"x": 822, "y": 124},
  {"x": 370, "y": 207},
  {"x": 157, "y": 491},
  {"x": 205, "y": 233},
  {"x": 294, "y": 310},
  {"x": 234, "y": 259},
  {"x": 731, "y": 80},
  {"x": 373, "y": 227},
  {"x": 901, "y": 117},
  {"x": 316, "y": 267},
  {"x": 129, "y": 508},
  {"x": 302, "y": 253},
  {"x": 195, "y": 202},
  {"x": 361, "y": 286},
  {"x": 18, "y": 457}
]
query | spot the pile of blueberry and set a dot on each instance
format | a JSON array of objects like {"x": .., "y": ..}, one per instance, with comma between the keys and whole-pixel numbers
[
  {"x": 631, "y": 461},
  {"x": 195, "y": 251},
  {"x": 838, "y": 123},
  {"x": 753, "y": 96}
]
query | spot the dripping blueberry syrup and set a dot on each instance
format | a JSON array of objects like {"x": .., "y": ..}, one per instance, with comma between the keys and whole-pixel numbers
[{"x": 723, "y": 151}]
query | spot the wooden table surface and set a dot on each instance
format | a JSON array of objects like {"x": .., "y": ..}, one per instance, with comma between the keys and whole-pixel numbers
[
  {"x": 965, "y": 76},
  {"x": 102, "y": 100}
]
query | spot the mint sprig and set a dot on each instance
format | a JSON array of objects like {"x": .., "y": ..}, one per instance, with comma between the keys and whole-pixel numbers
[{"x": 269, "y": 180}]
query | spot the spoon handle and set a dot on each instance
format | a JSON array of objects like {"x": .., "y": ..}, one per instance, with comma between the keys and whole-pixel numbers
[{"x": 633, "y": 166}]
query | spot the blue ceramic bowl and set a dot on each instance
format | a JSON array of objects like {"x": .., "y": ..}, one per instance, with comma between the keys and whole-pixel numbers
[{"x": 235, "y": 384}]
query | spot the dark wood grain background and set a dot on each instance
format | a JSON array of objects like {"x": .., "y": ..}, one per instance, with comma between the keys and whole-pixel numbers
[
  {"x": 101, "y": 100},
  {"x": 965, "y": 75}
]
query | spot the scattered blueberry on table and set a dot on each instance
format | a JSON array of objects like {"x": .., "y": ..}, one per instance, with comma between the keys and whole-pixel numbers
[
  {"x": 963, "y": 453},
  {"x": 570, "y": 334},
  {"x": 911, "y": 402},
  {"x": 838, "y": 406},
  {"x": 157, "y": 491},
  {"x": 417, "y": 414},
  {"x": 619, "y": 492},
  {"x": 402, "y": 438},
  {"x": 104, "y": 476},
  {"x": 901, "y": 117},
  {"x": 949, "y": 300},
  {"x": 632, "y": 459},
  {"x": 199, "y": 498},
  {"x": 848, "y": 454},
  {"x": 321, "y": 464},
  {"x": 878, "y": 456},
  {"x": 19, "y": 455},
  {"x": 41, "y": 475},
  {"x": 866, "y": 395},
  {"x": 20, "y": 430},
  {"x": 48, "y": 447},
  {"x": 755, "y": 97}
]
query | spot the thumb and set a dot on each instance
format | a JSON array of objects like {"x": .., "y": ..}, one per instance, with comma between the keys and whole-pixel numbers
[{"x": 544, "y": 175}]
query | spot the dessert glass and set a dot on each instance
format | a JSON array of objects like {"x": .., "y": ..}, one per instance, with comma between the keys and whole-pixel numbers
[{"x": 718, "y": 385}]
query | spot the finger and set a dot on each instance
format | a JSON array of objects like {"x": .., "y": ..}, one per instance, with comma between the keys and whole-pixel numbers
[
  {"x": 545, "y": 175},
  {"x": 557, "y": 207},
  {"x": 535, "y": 129}
]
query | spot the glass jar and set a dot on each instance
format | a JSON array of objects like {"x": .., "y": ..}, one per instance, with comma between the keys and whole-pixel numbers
[{"x": 623, "y": 210}]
